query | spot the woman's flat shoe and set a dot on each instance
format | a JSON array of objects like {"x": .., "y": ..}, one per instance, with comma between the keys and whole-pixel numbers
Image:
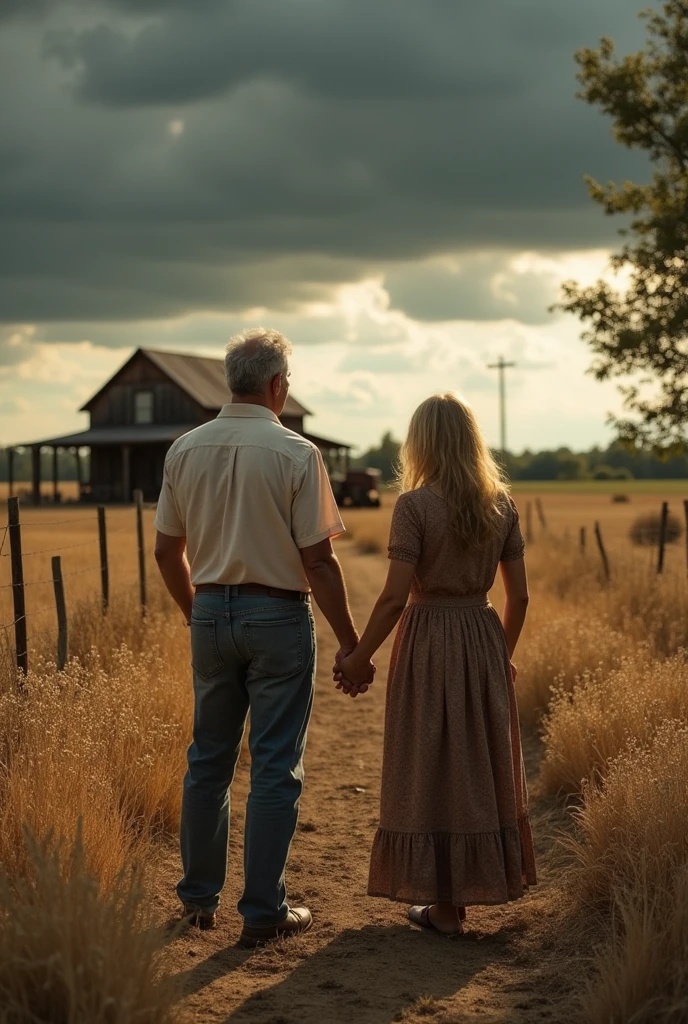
[{"x": 421, "y": 917}]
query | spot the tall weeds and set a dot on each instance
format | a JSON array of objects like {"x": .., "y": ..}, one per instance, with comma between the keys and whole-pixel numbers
[
  {"x": 73, "y": 953},
  {"x": 104, "y": 746},
  {"x": 606, "y": 712},
  {"x": 632, "y": 875}
]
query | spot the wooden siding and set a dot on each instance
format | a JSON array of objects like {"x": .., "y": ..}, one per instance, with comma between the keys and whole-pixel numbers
[{"x": 115, "y": 405}]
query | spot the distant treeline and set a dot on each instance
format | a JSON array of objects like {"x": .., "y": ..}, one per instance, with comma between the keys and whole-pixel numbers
[
  {"x": 612, "y": 463},
  {"x": 66, "y": 465}
]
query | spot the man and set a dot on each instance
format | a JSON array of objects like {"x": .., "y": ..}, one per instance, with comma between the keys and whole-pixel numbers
[{"x": 250, "y": 504}]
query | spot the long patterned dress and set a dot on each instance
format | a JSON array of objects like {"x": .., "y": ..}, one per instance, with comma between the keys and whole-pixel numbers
[{"x": 454, "y": 808}]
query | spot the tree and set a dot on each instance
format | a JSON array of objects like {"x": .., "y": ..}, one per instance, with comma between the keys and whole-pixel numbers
[
  {"x": 384, "y": 457},
  {"x": 644, "y": 329}
]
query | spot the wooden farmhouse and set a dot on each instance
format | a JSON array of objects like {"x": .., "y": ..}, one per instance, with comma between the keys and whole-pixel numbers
[{"x": 149, "y": 402}]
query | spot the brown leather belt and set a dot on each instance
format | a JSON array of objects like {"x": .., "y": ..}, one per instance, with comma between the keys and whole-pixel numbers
[{"x": 251, "y": 590}]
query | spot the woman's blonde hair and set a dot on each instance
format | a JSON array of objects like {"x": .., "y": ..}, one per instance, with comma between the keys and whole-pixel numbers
[{"x": 446, "y": 451}]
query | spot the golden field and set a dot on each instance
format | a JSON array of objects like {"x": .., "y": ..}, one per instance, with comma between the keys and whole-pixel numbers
[{"x": 98, "y": 752}]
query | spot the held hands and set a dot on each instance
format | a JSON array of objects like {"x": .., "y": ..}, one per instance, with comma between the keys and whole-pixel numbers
[{"x": 351, "y": 674}]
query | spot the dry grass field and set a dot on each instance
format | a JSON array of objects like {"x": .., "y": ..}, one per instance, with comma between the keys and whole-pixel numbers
[{"x": 91, "y": 761}]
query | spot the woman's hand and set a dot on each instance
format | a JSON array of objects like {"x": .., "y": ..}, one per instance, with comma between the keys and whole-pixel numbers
[{"x": 352, "y": 674}]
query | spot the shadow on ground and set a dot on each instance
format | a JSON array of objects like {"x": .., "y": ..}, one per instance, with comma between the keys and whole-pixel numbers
[{"x": 368, "y": 975}]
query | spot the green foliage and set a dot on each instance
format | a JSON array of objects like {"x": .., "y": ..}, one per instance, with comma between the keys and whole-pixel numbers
[
  {"x": 66, "y": 464},
  {"x": 383, "y": 457},
  {"x": 616, "y": 463},
  {"x": 644, "y": 329}
]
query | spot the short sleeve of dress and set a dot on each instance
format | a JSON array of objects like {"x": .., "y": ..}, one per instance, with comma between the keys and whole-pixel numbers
[
  {"x": 406, "y": 534},
  {"x": 514, "y": 546}
]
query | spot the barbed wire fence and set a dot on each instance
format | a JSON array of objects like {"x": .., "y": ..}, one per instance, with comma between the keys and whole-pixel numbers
[{"x": 16, "y": 632}]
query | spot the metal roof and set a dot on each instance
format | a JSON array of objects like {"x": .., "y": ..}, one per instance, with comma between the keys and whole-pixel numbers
[
  {"x": 201, "y": 377},
  {"x": 326, "y": 442},
  {"x": 149, "y": 433}
]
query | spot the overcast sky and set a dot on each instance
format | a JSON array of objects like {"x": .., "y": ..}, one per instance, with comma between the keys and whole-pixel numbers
[{"x": 397, "y": 185}]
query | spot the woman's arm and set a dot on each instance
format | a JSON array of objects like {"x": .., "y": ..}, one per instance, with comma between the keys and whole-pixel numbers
[
  {"x": 516, "y": 587},
  {"x": 386, "y": 613}
]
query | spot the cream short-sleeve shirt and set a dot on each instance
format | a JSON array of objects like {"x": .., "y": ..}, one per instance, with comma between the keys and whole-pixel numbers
[{"x": 247, "y": 494}]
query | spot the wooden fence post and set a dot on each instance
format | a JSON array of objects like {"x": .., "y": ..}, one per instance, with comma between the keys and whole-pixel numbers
[
  {"x": 104, "y": 567},
  {"x": 18, "y": 596},
  {"x": 138, "y": 498},
  {"x": 541, "y": 513},
  {"x": 581, "y": 541},
  {"x": 663, "y": 521},
  {"x": 529, "y": 522},
  {"x": 603, "y": 553},
  {"x": 61, "y": 607}
]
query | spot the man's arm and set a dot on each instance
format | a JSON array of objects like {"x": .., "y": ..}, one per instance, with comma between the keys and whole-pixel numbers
[
  {"x": 326, "y": 580},
  {"x": 324, "y": 574},
  {"x": 174, "y": 569}
]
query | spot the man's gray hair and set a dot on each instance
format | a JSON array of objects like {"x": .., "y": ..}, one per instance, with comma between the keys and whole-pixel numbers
[{"x": 253, "y": 358}]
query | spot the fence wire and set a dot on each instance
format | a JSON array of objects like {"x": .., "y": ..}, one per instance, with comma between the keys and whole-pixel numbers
[
  {"x": 43, "y": 632},
  {"x": 27, "y": 615},
  {"x": 55, "y": 522},
  {"x": 116, "y": 524}
]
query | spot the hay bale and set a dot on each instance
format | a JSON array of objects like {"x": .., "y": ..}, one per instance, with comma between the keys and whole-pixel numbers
[{"x": 644, "y": 530}]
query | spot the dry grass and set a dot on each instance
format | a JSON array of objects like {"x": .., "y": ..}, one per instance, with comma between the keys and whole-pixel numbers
[
  {"x": 103, "y": 746},
  {"x": 99, "y": 749},
  {"x": 71, "y": 952},
  {"x": 606, "y": 711},
  {"x": 633, "y": 875}
]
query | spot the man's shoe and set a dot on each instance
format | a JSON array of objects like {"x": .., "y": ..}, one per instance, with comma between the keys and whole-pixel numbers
[
  {"x": 199, "y": 918},
  {"x": 297, "y": 921}
]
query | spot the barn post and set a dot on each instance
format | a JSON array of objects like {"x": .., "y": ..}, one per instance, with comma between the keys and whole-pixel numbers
[
  {"x": 36, "y": 473},
  {"x": 56, "y": 475},
  {"x": 79, "y": 473},
  {"x": 126, "y": 473}
]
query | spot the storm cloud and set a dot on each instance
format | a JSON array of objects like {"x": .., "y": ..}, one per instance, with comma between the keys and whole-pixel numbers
[{"x": 160, "y": 158}]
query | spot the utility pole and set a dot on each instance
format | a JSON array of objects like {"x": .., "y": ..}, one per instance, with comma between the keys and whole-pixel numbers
[{"x": 502, "y": 365}]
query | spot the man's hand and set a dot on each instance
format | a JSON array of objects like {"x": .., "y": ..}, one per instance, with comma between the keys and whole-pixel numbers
[
  {"x": 353, "y": 675},
  {"x": 344, "y": 685}
]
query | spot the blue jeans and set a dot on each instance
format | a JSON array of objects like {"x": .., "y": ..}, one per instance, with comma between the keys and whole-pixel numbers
[{"x": 257, "y": 654}]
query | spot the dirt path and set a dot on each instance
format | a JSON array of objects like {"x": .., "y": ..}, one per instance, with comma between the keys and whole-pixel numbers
[{"x": 362, "y": 962}]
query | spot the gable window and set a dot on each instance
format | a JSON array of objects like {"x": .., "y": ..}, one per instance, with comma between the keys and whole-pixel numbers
[{"x": 143, "y": 407}]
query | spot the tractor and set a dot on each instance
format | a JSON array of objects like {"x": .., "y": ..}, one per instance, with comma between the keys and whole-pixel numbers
[{"x": 357, "y": 488}]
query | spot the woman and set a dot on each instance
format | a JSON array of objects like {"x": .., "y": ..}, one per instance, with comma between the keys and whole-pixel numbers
[{"x": 454, "y": 827}]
